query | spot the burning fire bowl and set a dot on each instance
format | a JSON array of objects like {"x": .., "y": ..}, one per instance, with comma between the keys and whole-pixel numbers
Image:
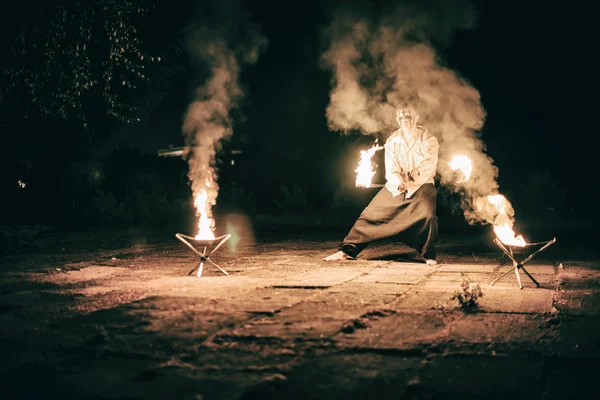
[
  {"x": 528, "y": 251},
  {"x": 206, "y": 245}
]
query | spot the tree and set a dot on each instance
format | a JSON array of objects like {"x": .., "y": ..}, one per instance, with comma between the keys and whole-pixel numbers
[
  {"x": 78, "y": 60},
  {"x": 71, "y": 72}
]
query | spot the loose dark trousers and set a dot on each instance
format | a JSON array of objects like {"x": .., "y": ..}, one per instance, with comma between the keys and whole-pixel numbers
[{"x": 414, "y": 220}]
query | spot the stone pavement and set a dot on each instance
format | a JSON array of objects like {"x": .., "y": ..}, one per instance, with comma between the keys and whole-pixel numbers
[{"x": 128, "y": 323}]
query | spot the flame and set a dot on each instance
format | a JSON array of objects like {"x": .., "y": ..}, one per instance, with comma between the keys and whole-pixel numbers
[
  {"x": 206, "y": 223},
  {"x": 503, "y": 223},
  {"x": 462, "y": 163},
  {"x": 365, "y": 172}
]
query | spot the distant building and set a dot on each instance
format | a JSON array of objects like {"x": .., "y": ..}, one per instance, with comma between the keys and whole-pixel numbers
[{"x": 172, "y": 151}]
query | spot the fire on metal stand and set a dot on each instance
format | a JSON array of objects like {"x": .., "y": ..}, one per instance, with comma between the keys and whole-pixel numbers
[
  {"x": 206, "y": 244},
  {"x": 511, "y": 252}
]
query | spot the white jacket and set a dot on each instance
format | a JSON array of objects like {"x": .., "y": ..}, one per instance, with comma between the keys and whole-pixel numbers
[{"x": 402, "y": 156}]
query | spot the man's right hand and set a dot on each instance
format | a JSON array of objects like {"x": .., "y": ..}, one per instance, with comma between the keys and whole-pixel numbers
[
  {"x": 403, "y": 185},
  {"x": 404, "y": 181}
]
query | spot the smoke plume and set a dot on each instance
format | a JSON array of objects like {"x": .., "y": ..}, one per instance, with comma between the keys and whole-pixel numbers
[
  {"x": 384, "y": 58},
  {"x": 218, "y": 46}
]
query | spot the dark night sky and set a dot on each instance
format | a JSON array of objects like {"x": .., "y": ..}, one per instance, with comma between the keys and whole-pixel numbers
[{"x": 529, "y": 60}]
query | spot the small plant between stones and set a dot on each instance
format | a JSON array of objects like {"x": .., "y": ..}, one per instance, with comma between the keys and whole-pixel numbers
[{"x": 468, "y": 296}]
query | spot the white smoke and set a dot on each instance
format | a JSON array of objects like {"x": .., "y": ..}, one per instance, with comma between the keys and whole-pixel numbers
[
  {"x": 219, "y": 45},
  {"x": 387, "y": 60}
]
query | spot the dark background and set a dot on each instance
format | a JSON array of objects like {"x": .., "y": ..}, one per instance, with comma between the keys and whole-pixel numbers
[{"x": 531, "y": 62}]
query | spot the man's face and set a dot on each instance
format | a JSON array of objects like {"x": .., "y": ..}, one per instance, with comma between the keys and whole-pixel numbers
[{"x": 406, "y": 119}]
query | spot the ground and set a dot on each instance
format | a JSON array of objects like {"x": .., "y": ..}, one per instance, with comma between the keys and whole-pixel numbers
[{"x": 116, "y": 316}]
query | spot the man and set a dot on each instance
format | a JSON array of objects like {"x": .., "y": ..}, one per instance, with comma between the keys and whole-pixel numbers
[{"x": 406, "y": 206}]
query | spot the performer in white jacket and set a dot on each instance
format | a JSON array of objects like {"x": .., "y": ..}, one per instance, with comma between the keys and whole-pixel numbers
[{"x": 406, "y": 205}]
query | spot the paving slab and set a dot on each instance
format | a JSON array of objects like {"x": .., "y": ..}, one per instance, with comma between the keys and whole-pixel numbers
[
  {"x": 445, "y": 282},
  {"x": 397, "y": 268},
  {"x": 366, "y": 293},
  {"x": 401, "y": 278},
  {"x": 416, "y": 299},
  {"x": 393, "y": 330},
  {"x": 526, "y": 300},
  {"x": 448, "y": 280},
  {"x": 569, "y": 280},
  {"x": 323, "y": 277},
  {"x": 268, "y": 300},
  {"x": 468, "y": 268},
  {"x": 584, "y": 302},
  {"x": 546, "y": 281},
  {"x": 307, "y": 320},
  {"x": 494, "y": 327},
  {"x": 515, "y": 334}
]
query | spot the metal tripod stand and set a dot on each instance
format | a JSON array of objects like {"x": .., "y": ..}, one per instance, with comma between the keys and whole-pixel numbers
[
  {"x": 519, "y": 265},
  {"x": 206, "y": 244}
]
